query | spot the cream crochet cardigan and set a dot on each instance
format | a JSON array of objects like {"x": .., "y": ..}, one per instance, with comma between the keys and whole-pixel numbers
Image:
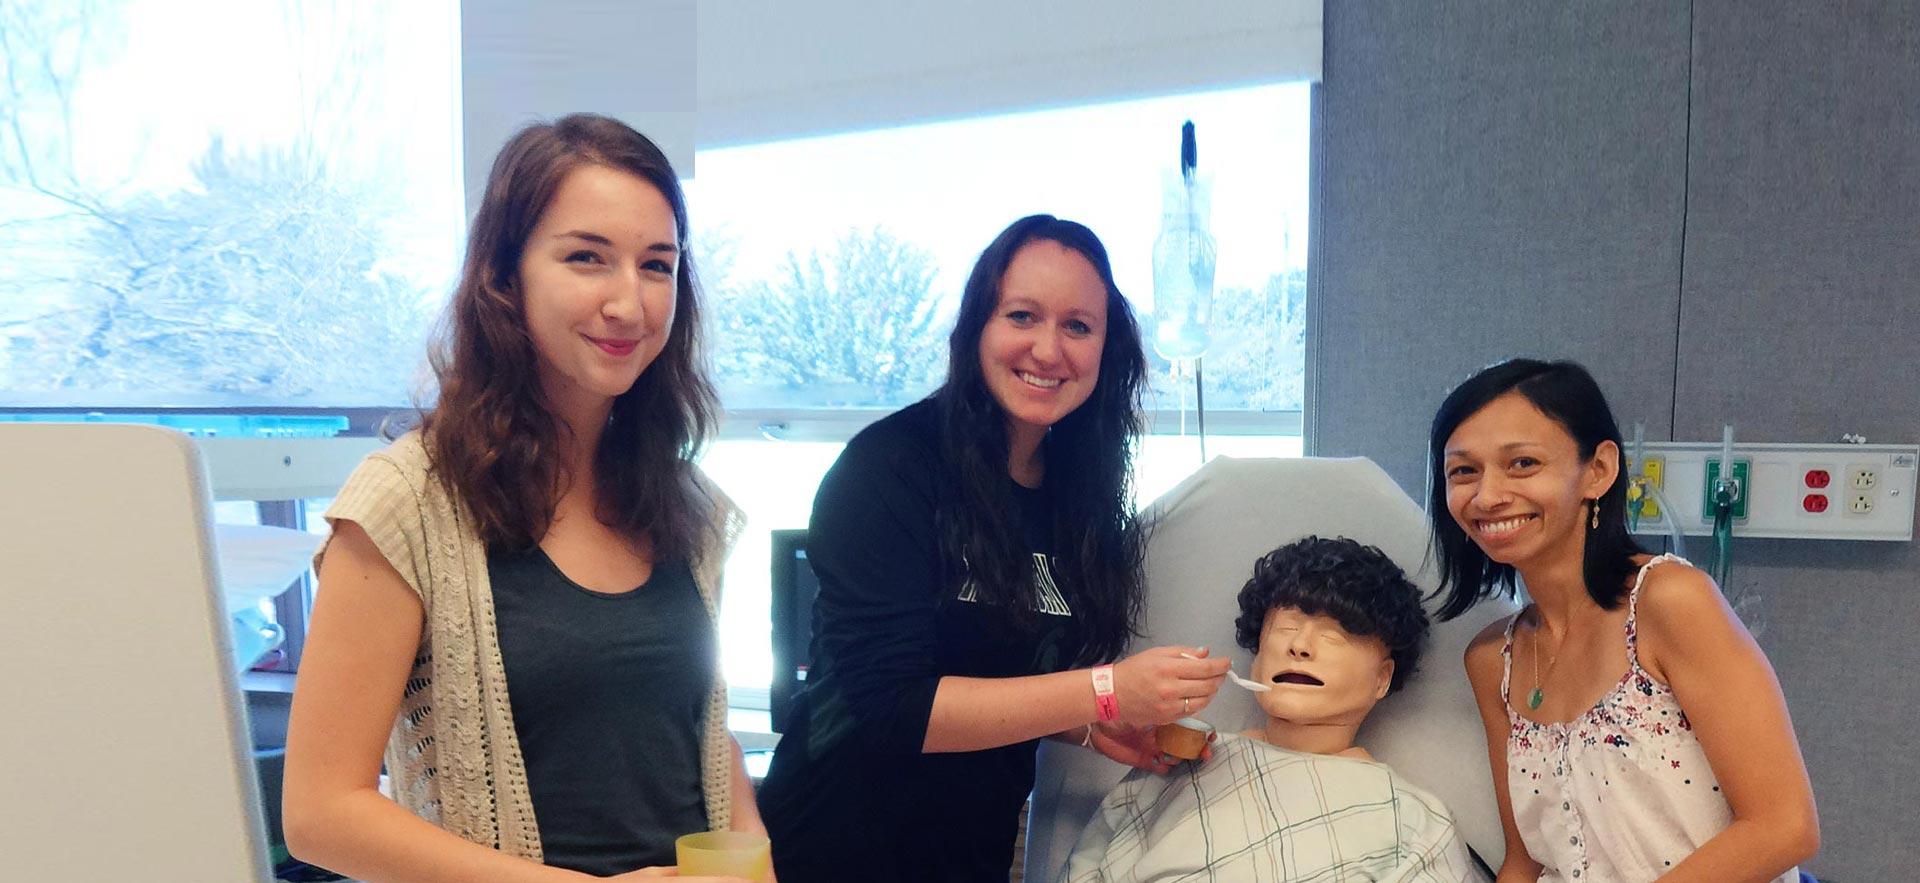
[{"x": 453, "y": 755}]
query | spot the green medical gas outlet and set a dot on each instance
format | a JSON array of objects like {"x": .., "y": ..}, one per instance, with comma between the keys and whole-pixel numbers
[{"x": 1742, "y": 469}]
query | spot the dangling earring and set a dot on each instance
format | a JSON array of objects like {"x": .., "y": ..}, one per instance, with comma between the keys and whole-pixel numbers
[{"x": 1595, "y": 523}]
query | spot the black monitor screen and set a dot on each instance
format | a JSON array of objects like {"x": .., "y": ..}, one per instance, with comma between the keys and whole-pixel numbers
[{"x": 794, "y": 587}]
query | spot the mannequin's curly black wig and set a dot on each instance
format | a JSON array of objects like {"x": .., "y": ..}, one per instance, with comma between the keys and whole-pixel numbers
[{"x": 1356, "y": 584}]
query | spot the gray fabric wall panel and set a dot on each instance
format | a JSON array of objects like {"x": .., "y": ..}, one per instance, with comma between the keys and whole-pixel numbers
[
  {"x": 1802, "y": 296},
  {"x": 1800, "y": 320},
  {"x": 1840, "y": 623},
  {"x": 1497, "y": 180}
]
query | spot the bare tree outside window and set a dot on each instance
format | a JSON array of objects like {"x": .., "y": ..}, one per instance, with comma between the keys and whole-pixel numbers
[
  {"x": 249, "y": 271},
  {"x": 852, "y": 325}
]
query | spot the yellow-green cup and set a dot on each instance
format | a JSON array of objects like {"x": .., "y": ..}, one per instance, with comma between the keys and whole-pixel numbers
[{"x": 723, "y": 854}]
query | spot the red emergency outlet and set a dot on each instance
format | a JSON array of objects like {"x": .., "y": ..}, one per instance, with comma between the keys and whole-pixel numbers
[
  {"x": 1815, "y": 503},
  {"x": 1818, "y": 478}
]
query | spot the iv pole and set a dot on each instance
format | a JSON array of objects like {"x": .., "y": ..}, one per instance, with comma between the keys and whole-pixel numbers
[
  {"x": 1183, "y": 263},
  {"x": 1189, "y": 159}
]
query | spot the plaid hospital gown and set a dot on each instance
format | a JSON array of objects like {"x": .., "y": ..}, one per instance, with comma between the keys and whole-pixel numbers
[{"x": 1256, "y": 813}]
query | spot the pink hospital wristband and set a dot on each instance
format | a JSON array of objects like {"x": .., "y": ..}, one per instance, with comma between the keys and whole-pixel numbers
[{"x": 1103, "y": 693}]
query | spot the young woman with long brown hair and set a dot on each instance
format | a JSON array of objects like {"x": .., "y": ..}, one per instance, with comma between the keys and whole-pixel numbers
[{"x": 517, "y": 605}]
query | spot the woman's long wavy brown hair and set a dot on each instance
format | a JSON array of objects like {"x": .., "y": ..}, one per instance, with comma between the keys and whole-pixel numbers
[
  {"x": 1099, "y": 545},
  {"x": 492, "y": 439}
]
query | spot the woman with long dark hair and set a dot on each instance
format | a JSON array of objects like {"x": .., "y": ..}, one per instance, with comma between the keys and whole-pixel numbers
[
  {"x": 517, "y": 604},
  {"x": 1685, "y": 767},
  {"x": 979, "y": 566}
]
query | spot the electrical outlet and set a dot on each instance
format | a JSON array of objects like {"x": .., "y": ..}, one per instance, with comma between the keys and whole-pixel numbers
[
  {"x": 1860, "y": 504},
  {"x": 1862, "y": 478},
  {"x": 1742, "y": 472}
]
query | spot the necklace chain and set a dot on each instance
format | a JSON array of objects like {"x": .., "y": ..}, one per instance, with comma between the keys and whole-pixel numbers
[{"x": 1539, "y": 694}]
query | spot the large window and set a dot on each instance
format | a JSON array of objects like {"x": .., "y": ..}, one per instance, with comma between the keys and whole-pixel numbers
[
  {"x": 834, "y": 265},
  {"x": 257, "y": 205},
  {"x": 237, "y": 203}
]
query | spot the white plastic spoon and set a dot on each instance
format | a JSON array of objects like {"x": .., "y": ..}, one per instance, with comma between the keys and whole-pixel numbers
[{"x": 1255, "y": 686}]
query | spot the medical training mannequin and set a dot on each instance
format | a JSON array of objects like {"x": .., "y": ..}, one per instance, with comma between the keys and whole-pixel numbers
[
  {"x": 1327, "y": 676},
  {"x": 1335, "y": 626}
]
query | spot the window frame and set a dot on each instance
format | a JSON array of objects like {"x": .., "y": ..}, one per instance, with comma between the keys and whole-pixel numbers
[{"x": 841, "y": 424}]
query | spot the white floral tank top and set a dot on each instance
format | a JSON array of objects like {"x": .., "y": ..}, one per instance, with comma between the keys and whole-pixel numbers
[{"x": 1621, "y": 793}]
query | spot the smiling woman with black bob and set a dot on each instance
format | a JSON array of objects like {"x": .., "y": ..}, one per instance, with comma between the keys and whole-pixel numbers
[
  {"x": 518, "y": 600},
  {"x": 979, "y": 562},
  {"x": 1635, "y": 730}
]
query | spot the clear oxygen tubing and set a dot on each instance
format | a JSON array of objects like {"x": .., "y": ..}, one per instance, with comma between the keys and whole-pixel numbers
[
  {"x": 1674, "y": 536},
  {"x": 1726, "y": 491},
  {"x": 1636, "y": 477},
  {"x": 1639, "y": 490}
]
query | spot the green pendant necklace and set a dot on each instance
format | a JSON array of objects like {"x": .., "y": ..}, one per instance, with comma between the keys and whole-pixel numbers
[{"x": 1539, "y": 695}]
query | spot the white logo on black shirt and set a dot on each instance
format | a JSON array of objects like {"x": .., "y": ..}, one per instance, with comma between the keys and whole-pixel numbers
[{"x": 1047, "y": 596}]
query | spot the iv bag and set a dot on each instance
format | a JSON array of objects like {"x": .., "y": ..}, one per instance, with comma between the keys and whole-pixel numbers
[{"x": 1183, "y": 258}]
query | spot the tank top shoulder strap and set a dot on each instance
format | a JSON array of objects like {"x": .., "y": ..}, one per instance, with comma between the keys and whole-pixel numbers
[
  {"x": 1633, "y": 606},
  {"x": 1506, "y": 662}
]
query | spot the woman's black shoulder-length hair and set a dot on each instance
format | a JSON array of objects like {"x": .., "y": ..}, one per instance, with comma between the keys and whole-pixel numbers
[
  {"x": 1567, "y": 393},
  {"x": 1089, "y": 456}
]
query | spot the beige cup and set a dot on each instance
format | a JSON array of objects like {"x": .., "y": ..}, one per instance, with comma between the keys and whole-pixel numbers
[
  {"x": 1183, "y": 739},
  {"x": 723, "y": 854}
]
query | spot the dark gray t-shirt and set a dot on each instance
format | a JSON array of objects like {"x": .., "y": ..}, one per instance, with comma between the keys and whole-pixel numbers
[{"x": 607, "y": 692}]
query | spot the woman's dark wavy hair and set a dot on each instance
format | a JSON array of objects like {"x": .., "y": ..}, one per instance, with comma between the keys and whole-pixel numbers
[
  {"x": 1356, "y": 584},
  {"x": 1567, "y": 394},
  {"x": 492, "y": 440},
  {"x": 1089, "y": 456}
]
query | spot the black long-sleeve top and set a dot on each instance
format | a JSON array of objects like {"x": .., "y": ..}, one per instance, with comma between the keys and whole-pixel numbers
[{"x": 850, "y": 794}]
